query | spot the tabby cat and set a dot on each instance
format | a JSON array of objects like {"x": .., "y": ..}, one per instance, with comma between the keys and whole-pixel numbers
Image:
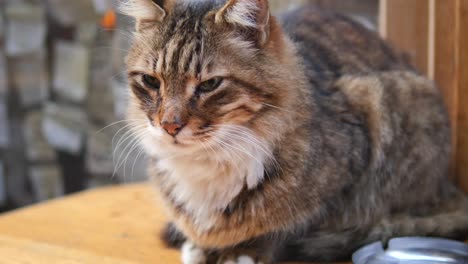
[{"x": 295, "y": 138}]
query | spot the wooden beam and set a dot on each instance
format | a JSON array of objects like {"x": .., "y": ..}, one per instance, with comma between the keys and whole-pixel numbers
[
  {"x": 431, "y": 38},
  {"x": 462, "y": 93},
  {"x": 405, "y": 24},
  {"x": 383, "y": 19},
  {"x": 445, "y": 63}
]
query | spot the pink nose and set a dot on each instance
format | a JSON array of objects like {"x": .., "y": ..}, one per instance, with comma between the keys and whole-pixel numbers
[{"x": 172, "y": 128}]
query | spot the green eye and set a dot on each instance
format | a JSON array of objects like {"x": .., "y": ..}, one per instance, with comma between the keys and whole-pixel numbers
[
  {"x": 210, "y": 85},
  {"x": 151, "y": 82}
]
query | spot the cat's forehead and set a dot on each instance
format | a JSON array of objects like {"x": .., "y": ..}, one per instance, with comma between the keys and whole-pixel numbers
[
  {"x": 180, "y": 45},
  {"x": 186, "y": 15}
]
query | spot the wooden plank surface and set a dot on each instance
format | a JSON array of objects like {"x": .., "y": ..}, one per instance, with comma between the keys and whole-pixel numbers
[
  {"x": 112, "y": 225},
  {"x": 118, "y": 225}
]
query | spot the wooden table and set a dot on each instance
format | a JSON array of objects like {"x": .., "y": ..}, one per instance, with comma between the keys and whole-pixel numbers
[{"x": 118, "y": 225}]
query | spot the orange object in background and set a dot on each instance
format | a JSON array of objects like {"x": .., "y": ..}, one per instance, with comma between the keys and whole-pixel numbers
[{"x": 109, "y": 20}]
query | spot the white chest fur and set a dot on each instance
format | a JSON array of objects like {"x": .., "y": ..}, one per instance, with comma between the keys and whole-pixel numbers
[
  {"x": 206, "y": 184},
  {"x": 205, "y": 180}
]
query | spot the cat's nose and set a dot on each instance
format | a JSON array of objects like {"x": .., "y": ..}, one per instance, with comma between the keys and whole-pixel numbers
[{"x": 172, "y": 128}]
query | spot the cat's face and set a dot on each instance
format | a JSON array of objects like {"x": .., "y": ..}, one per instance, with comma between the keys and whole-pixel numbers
[{"x": 198, "y": 70}]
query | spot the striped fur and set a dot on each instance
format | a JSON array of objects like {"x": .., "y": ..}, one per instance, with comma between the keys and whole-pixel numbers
[{"x": 313, "y": 144}]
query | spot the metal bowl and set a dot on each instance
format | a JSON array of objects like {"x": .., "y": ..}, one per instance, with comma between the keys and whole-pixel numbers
[{"x": 413, "y": 250}]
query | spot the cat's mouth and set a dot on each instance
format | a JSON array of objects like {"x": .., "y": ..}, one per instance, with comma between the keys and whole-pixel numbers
[{"x": 187, "y": 138}]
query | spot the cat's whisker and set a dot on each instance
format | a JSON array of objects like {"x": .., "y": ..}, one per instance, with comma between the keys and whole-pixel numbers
[
  {"x": 137, "y": 137},
  {"x": 125, "y": 136},
  {"x": 122, "y": 137},
  {"x": 118, "y": 122},
  {"x": 116, "y": 162},
  {"x": 142, "y": 150},
  {"x": 277, "y": 107},
  {"x": 211, "y": 149},
  {"x": 203, "y": 145},
  {"x": 246, "y": 138},
  {"x": 268, "y": 154},
  {"x": 226, "y": 150},
  {"x": 243, "y": 150},
  {"x": 131, "y": 127},
  {"x": 122, "y": 165},
  {"x": 273, "y": 162},
  {"x": 214, "y": 152},
  {"x": 133, "y": 148},
  {"x": 133, "y": 134},
  {"x": 244, "y": 134}
]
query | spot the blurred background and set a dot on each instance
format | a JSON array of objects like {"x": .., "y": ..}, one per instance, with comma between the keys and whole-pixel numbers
[{"x": 63, "y": 95}]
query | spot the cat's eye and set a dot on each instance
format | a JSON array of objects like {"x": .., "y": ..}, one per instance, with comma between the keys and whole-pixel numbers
[
  {"x": 151, "y": 82},
  {"x": 210, "y": 85}
]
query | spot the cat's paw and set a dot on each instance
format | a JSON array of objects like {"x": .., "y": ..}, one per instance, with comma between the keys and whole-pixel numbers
[
  {"x": 192, "y": 254},
  {"x": 240, "y": 259}
]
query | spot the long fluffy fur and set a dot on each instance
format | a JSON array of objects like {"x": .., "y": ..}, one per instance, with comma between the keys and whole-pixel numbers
[
  {"x": 313, "y": 144},
  {"x": 242, "y": 164},
  {"x": 243, "y": 13},
  {"x": 141, "y": 10}
]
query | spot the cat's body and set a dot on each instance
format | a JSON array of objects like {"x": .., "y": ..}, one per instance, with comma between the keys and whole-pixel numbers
[{"x": 310, "y": 145}]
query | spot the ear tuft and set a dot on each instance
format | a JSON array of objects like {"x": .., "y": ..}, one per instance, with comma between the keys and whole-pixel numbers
[
  {"x": 144, "y": 11},
  {"x": 252, "y": 14},
  {"x": 243, "y": 13}
]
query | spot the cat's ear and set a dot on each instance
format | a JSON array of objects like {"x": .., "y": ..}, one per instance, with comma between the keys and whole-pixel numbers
[
  {"x": 145, "y": 12},
  {"x": 248, "y": 14}
]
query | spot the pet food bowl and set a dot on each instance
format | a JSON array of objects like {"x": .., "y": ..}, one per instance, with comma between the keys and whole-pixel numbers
[{"x": 413, "y": 250}]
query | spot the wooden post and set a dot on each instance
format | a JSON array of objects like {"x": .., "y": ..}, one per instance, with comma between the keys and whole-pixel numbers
[
  {"x": 462, "y": 92},
  {"x": 446, "y": 59}
]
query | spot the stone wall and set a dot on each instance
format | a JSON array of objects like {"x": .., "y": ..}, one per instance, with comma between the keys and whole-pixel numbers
[{"x": 62, "y": 81}]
